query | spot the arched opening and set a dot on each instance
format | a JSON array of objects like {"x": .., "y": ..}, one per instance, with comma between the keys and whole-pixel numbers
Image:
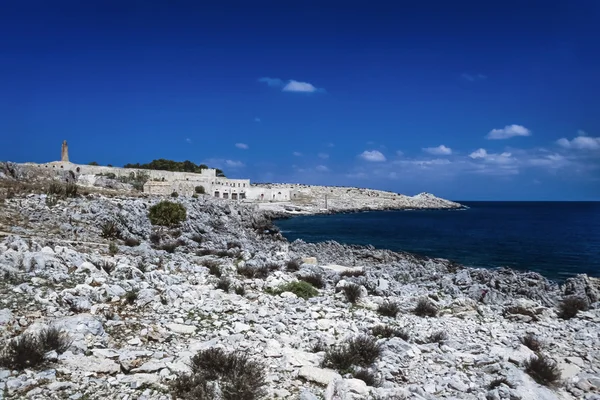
[{"x": 77, "y": 169}]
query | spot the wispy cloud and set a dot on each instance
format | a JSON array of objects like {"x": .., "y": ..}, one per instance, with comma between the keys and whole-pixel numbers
[
  {"x": 273, "y": 82},
  {"x": 234, "y": 164},
  {"x": 399, "y": 153},
  {"x": 188, "y": 140},
  {"x": 297, "y": 154},
  {"x": 473, "y": 77},
  {"x": 372, "y": 156},
  {"x": 242, "y": 146},
  {"x": 322, "y": 168},
  {"x": 482, "y": 154},
  {"x": 507, "y": 132},
  {"x": 256, "y": 119},
  {"x": 581, "y": 142},
  {"x": 330, "y": 145},
  {"x": 441, "y": 150},
  {"x": 323, "y": 156},
  {"x": 291, "y": 86}
]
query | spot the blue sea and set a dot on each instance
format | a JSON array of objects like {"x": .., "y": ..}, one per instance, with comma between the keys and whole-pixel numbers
[{"x": 556, "y": 239}]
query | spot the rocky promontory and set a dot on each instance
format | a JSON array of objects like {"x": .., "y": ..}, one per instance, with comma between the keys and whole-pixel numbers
[{"x": 216, "y": 304}]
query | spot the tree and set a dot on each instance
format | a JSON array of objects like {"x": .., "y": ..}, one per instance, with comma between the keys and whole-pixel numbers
[
  {"x": 93, "y": 163},
  {"x": 200, "y": 189}
]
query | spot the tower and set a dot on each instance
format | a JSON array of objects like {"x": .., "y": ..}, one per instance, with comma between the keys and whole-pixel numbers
[{"x": 64, "y": 154}]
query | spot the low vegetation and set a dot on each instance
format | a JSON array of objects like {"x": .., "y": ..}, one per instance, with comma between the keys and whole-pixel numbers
[
  {"x": 29, "y": 349},
  {"x": 224, "y": 284},
  {"x": 131, "y": 242},
  {"x": 543, "y": 370},
  {"x": 353, "y": 292},
  {"x": 352, "y": 273},
  {"x": 366, "y": 375},
  {"x": 570, "y": 306},
  {"x": 169, "y": 165},
  {"x": 425, "y": 308},
  {"x": 293, "y": 265},
  {"x": 253, "y": 272},
  {"x": 532, "y": 342},
  {"x": 437, "y": 337},
  {"x": 314, "y": 279},
  {"x": 238, "y": 377},
  {"x": 301, "y": 289},
  {"x": 387, "y": 331},
  {"x": 200, "y": 190},
  {"x": 388, "y": 309},
  {"x": 360, "y": 351},
  {"x": 167, "y": 213}
]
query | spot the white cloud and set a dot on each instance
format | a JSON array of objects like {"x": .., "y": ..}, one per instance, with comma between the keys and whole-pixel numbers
[
  {"x": 256, "y": 119},
  {"x": 508, "y": 131},
  {"x": 441, "y": 150},
  {"x": 297, "y": 154},
  {"x": 321, "y": 168},
  {"x": 330, "y": 145},
  {"x": 242, "y": 146},
  {"x": 473, "y": 77},
  {"x": 188, "y": 140},
  {"x": 273, "y": 82},
  {"x": 295, "y": 86},
  {"x": 324, "y": 156},
  {"x": 234, "y": 164},
  {"x": 581, "y": 142},
  {"x": 482, "y": 154},
  {"x": 373, "y": 156},
  {"x": 399, "y": 153}
]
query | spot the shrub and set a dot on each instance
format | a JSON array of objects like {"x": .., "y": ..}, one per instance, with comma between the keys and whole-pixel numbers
[
  {"x": 200, "y": 189},
  {"x": 425, "y": 308},
  {"x": 109, "y": 230},
  {"x": 361, "y": 350},
  {"x": 293, "y": 265},
  {"x": 570, "y": 306},
  {"x": 107, "y": 266},
  {"x": 169, "y": 247},
  {"x": 167, "y": 213},
  {"x": 214, "y": 268},
  {"x": 301, "y": 289},
  {"x": 113, "y": 248},
  {"x": 25, "y": 351},
  {"x": 224, "y": 284},
  {"x": 386, "y": 331},
  {"x": 388, "y": 309},
  {"x": 174, "y": 195},
  {"x": 317, "y": 347},
  {"x": 53, "y": 338},
  {"x": 352, "y": 291},
  {"x": 366, "y": 375},
  {"x": 131, "y": 296},
  {"x": 532, "y": 342},
  {"x": 132, "y": 242},
  {"x": 70, "y": 190},
  {"x": 253, "y": 272},
  {"x": 352, "y": 273},
  {"x": 56, "y": 189},
  {"x": 155, "y": 238},
  {"x": 198, "y": 238},
  {"x": 273, "y": 266},
  {"x": 240, "y": 290},
  {"x": 239, "y": 378},
  {"x": 314, "y": 279},
  {"x": 437, "y": 337},
  {"x": 233, "y": 245},
  {"x": 543, "y": 370}
]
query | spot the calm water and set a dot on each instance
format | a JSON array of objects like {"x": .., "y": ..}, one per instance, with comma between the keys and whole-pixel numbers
[{"x": 557, "y": 239}]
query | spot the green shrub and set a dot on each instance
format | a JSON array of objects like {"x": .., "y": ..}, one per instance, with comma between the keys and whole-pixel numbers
[
  {"x": 361, "y": 351},
  {"x": 314, "y": 279},
  {"x": 113, "y": 248},
  {"x": 570, "y": 306},
  {"x": 543, "y": 370},
  {"x": 200, "y": 189},
  {"x": 174, "y": 195},
  {"x": 109, "y": 230},
  {"x": 167, "y": 213},
  {"x": 532, "y": 342},
  {"x": 293, "y": 265},
  {"x": 386, "y": 331},
  {"x": 224, "y": 284},
  {"x": 425, "y": 308},
  {"x": 301, "y": 289},
  {"x": 25, "y": 351},
  {"x": 70, "y": 190},
  {"x": 53, "y": 338},
  {"x": 388, "y": 309},
  {"x": 353, "y": 292}
]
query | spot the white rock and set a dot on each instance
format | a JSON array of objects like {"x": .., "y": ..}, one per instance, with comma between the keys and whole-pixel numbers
[
  {"x": 181, "y": 328},
  {"x": 321, "y": 376},
  {"x": 93, "y": 364}
]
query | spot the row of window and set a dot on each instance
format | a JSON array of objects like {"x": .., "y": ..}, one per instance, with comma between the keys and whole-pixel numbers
[{"x": 234, "y": 196}]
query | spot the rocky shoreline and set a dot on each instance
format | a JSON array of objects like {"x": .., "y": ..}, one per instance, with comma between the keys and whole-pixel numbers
[{"x": 140, "y": 300}]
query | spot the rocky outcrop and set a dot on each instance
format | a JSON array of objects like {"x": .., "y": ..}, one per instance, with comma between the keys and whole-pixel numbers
[{"x": 139, "y": 311}]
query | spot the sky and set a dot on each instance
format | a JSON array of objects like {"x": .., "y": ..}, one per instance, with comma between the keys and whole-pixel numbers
[{"x": 468, "y": 100}]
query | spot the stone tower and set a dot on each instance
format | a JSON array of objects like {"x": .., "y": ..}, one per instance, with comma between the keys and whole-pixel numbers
[{"x": 64, "y": 154}]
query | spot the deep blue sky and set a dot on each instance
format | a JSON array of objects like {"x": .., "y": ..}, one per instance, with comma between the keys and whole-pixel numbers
[{"x": 467, "y": 100}]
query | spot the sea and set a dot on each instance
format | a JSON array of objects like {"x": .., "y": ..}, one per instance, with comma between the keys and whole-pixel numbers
[{"x": 556, "y": 239}]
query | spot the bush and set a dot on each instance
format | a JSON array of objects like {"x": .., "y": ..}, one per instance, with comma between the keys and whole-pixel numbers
[
  {"x": 109, "y": 230},
  {"x": 200, "y": 189},
  {"x": 570, "y": 306},
  {"x": 386, "y": 332},
  {"x": 25, "y": 351},
  {"x": 437, "y": 337},
  {"x": 53, "y": 338},
  {"x": 155, "y": 238},
  {"x": 113, "y": 248},
  {"x": 253, "y": 272},
  {"x": 132, "y": 242},
  {"x": 317, "y": 347},
  {"x": 169, "y": 247},
  {"x": 239, "y": 378},
  {"x": 224, "y": 284},
  {"x": 388, "y": 309},
  {"x": 532, "y": 342},
  {"x": 425, "y": 308},
  {"x": 240, "y": 290},
  {"x": 167, "y": 213},
  {"x": 352, "y": 291},
  {"x": 198, "y": 238},
  {"x": 293, "y": 265},
  {"x": 131, "y": 296},
  {"x": 301, "y": 289},
  {"x": 70, "y": 190},
  {"x": 55, "y": 189},
  {"x": 543, "y": 370},
  {"x": 361, "y": 351},
  {"x": 174, "y": 195},
  {"x": 214, "y": 268},
  {"x": 366, "y": 375},
  {"x": 497, "y": 382},
  {"x": 314, "y": 279},
  {"x": 107, "y": 266},
  {"x": 233, "y": 245}
]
